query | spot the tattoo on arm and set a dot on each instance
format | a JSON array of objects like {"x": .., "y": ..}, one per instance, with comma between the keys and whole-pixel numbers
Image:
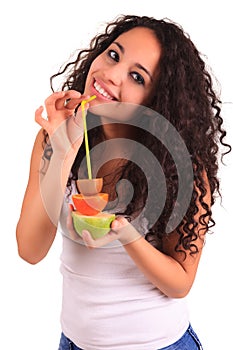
[{"x": 48, "y": 151}]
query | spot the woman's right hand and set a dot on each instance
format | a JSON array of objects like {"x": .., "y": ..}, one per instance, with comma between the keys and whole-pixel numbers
[{"x": 63, "y": 128}]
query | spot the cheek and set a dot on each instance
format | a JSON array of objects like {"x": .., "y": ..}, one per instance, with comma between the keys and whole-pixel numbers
[
  {"x": 96, "y": 64},
  {"x": 133, "y": 95}
]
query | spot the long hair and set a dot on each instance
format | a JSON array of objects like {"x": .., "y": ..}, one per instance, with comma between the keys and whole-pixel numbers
[{"x": 183, "y": 93}]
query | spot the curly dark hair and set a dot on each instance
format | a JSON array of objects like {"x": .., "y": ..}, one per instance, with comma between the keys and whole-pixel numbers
[{"x": 183, "y": 93}]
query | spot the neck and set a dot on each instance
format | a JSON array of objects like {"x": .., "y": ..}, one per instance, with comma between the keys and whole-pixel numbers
[{"x": 112, "y": 129}]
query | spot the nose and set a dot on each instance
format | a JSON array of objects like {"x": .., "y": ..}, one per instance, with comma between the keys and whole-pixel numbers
[{"x": 115, "y": 74}]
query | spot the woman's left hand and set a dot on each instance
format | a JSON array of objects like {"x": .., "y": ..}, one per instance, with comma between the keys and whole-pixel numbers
[{"x": 121, "y": 230}]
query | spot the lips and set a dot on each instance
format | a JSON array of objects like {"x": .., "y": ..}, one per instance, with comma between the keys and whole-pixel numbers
[{"x": 103, "y": 91}]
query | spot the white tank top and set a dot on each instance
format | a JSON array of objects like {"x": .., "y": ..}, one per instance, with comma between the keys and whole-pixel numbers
[{"x": 108, "y": 304}]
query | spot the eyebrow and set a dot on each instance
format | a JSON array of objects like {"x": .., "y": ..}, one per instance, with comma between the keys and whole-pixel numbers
[{"x": 122, "y": 49}]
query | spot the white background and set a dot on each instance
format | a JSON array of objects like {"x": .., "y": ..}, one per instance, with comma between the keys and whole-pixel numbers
[{"x": 36, "y": 38}]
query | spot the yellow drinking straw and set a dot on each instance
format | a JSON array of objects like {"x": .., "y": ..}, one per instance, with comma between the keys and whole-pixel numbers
[{"x": 86, "y": 136}]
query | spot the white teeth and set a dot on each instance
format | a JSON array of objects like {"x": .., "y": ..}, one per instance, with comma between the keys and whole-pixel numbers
[{"x": 102, "y": 91}]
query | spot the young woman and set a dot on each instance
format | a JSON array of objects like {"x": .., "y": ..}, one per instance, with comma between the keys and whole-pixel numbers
[{"x": 131, "y": 294}]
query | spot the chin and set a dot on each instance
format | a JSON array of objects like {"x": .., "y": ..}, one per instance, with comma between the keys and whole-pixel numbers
[{"x": 115, "y": 110}]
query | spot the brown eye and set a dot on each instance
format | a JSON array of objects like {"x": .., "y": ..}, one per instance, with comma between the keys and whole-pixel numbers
[
  {"x": 138, "y": 78},
  {"x": 113, "y": 55}
]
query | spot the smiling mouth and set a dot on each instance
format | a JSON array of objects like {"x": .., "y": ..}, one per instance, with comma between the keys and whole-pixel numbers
[{"x": 103, "y": 92}]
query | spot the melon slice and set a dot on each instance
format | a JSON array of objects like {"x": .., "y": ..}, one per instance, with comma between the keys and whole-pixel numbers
[{"x": 98, "y": 225}]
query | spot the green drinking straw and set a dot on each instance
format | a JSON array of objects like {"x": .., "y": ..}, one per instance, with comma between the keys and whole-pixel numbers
[{"x": 86, "y": 136}]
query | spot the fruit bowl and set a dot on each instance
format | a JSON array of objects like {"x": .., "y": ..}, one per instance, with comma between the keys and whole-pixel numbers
[{"x": 98, "y": 225}]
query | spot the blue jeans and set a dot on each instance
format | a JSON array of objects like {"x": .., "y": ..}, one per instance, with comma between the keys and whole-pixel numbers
[
  {"x": 67, "y": 344},
  {"x": 189, "y": 341}
]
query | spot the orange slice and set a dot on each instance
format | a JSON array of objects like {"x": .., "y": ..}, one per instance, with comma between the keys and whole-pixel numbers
[{"x": 90, "y": 205}]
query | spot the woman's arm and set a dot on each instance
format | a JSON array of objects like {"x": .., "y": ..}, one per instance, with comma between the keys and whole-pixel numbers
[
  {"x": 170, "y": 271},
  {"x": 167, "y": 270},
  {"x": 36, "y": 228},
  {"x": 35, "y": 231}
]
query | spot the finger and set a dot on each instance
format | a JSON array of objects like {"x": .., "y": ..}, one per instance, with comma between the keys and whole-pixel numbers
[
  {"x": 73, "y": 98},
  {"x": 88, "y": 240},
  {"x": 69, "y": 222},
  {"x": 75, "y": 102},
  {"x": 100, "y": 242},
  {"x": 72, "y": 94},
  {"x": 39, "y": 118},
  {"x": 70, "y": 100},
  {"x": 119, "y": 223},
  {"x": 50, "y": 102}
]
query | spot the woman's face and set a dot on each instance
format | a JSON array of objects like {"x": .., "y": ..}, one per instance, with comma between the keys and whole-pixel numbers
[{"x": 125, "y": 71}]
